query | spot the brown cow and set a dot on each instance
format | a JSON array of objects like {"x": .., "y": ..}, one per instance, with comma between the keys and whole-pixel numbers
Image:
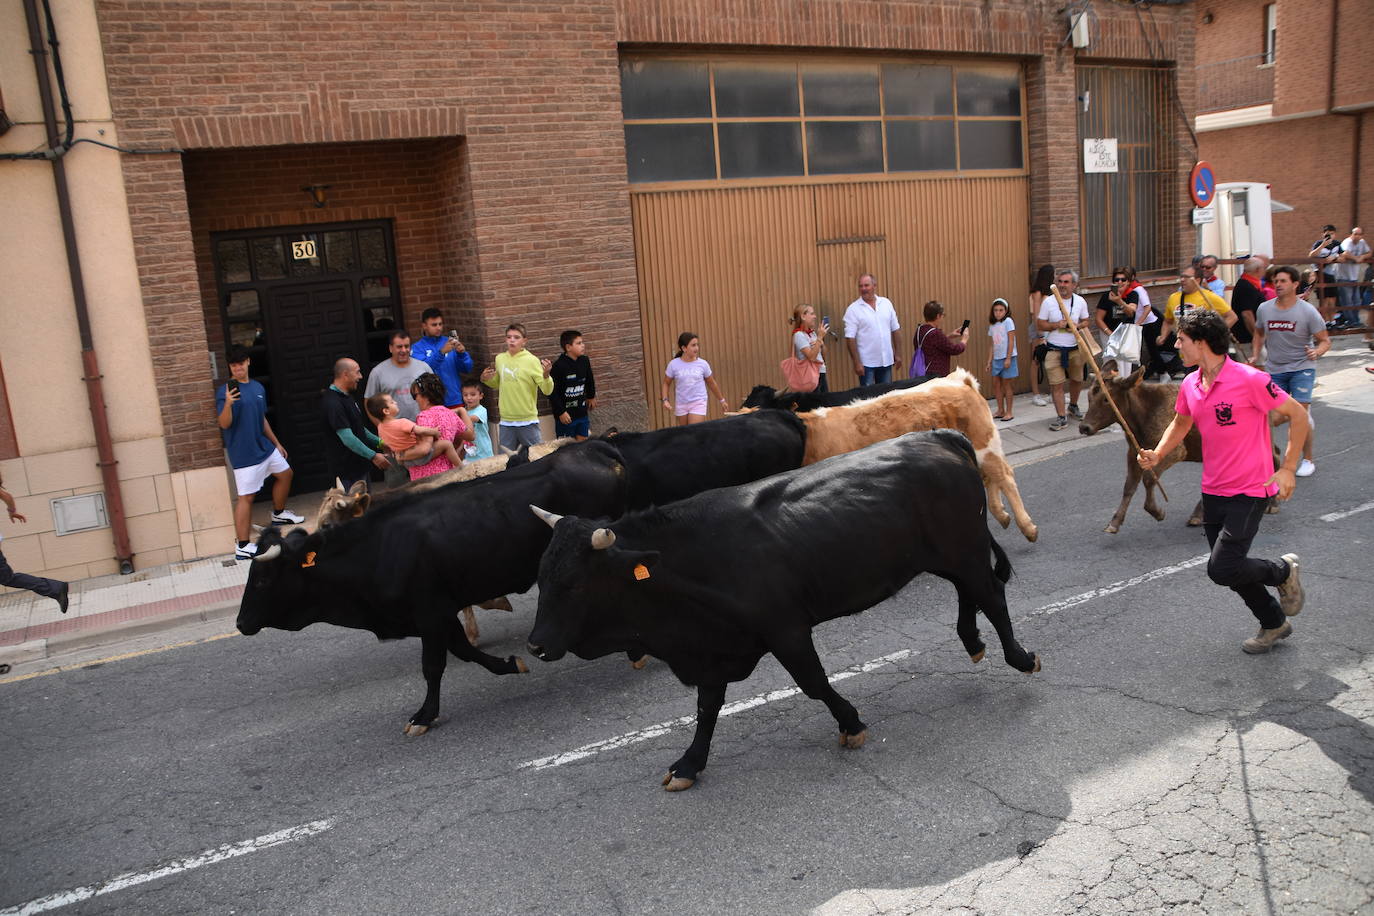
[
  {"x": 953, "y": 402},
  {"x": 1149, "y": 409}
]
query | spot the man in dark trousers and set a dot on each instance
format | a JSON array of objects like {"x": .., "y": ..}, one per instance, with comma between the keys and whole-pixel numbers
[
  {"x": 351, "y": 449},
  {"x": 48, "y": 588},
  {"x": 1229, "y": 403}
]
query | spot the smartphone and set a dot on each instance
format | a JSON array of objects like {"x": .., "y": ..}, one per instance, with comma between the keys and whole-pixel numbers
[
  {"x": 964, "y": 327},
  {"x": 453, "y": 332},
  {"x": 232, "y": 387}
]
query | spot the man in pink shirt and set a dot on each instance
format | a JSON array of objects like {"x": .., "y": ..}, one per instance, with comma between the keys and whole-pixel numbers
[{"x": 1229, "y": 402}]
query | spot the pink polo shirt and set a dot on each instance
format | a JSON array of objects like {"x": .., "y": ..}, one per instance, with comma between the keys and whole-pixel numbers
[{"x": 1233, "y": 419}]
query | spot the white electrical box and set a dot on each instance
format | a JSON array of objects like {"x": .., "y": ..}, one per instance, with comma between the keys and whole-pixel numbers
[{"x": 79, "y": 513}]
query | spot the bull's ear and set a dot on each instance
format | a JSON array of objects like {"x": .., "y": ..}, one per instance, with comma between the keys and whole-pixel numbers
[
  {"x": 359, "y": 487},
  {"x": 360, "y": 504},
  {"x": 636, "y": 565},
  {"x": 1136, "y": 377}
]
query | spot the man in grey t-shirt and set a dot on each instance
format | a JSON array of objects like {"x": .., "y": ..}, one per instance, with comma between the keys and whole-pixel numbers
[
  {"x": 1295, "y": 335},
  {"x": 395, "y": 375}
]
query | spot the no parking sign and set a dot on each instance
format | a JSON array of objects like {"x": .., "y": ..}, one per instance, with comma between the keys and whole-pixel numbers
[{"x": 1202, "y": 184}]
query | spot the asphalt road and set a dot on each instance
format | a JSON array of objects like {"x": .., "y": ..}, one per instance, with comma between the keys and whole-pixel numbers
[{"x": 1150, "y": 764}]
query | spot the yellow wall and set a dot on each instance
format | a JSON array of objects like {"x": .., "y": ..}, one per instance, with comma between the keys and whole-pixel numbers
[{"x": 171, "y": 516}]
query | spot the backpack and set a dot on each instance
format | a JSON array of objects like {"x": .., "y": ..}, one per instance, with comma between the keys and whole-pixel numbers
[{"x": 918, "y": 359}]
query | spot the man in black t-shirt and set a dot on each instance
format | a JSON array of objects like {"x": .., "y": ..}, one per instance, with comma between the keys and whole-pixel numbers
[
  {"x": 1325, "y": 251},
  {"x": 1246, "y": 298},
  {"x": 350, "y": 448}
]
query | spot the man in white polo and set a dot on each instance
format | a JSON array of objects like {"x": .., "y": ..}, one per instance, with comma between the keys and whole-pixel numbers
[{"x": 870, "y": 332}]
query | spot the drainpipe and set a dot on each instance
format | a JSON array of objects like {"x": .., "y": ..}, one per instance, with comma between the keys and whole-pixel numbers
[{"x": 114, "y": 502}]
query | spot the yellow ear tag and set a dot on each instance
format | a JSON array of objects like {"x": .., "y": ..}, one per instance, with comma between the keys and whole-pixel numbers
[
  {"x": 309, "y": 560},
  {"x": 641, "y": 572}
]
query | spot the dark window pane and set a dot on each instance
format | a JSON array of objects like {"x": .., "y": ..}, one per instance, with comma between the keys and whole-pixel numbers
[
  {"x": 305, "y": 255},
  {"x": 378, "y": 318},
  {"x": 372, "y": 248},
  {"x": 244, "y": 304},
  {"x": 376, "y": 288},
  {"x": 246, "y": 334},
  {"x": 989, "y": 94},
  {"x": 756, "y": 150},
  {"x": 920, "y": 146},
  {"x": 911, "y": 89},
  {"x": 267, "y": 259},
  {"x": 233, "y": 261},
  {"x": 669, "y": 152},
  {"x": 989, "y": 144},
  {"x": 338, "y": 252},
  {"x": 664, "y": 89},
  {"x": 756, "y": 91},
  {"x": 844, "y": 146},
  {"x": 840, "y": 91}
]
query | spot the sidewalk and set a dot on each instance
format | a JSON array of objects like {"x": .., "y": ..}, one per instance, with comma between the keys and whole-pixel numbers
[{"x": 111, "y": 609}]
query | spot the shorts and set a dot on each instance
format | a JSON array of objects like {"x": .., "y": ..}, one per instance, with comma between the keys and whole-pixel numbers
[
  {"x": 249, "y": 480},
  {"x": 1298, "y": 383},
  {"x": 1005, "y": 368},
  {"x": 512, "y": 437},
  {"x": 696, "y": 407},
  {"x": 1054, "y": 369},
  {"x": 580, "y": 426}
]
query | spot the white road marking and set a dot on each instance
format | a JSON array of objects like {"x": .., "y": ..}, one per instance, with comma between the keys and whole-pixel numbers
[
  {"x": 1115, "y": 587},
  {"x": 1337, "y": 516},
  {"x": 662, "y": 728},
  {"x": 131, "y": 879}
]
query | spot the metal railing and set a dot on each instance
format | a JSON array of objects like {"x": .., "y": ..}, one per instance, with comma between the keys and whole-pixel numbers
[{"x": 1237, "y": 83}]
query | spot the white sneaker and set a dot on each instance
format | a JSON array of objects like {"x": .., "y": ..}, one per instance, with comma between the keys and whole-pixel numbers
[
  {"x": 1306, "y": 468},
  {"x": 287, "y": 517},
  {"x": 1040, "y": 401},
  {"x": 246, "y": 552}
]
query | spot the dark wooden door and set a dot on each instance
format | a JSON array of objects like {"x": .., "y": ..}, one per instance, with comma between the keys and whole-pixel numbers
[{"x": 310, "y": 326}]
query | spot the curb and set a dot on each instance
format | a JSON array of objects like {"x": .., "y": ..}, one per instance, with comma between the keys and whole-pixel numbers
[{"x": 61, "y": 643}]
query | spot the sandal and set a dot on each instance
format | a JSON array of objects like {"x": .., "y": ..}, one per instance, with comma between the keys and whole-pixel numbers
[
  {"x": 998, "y": 416},
  {"x": 1005, "y": 419}
]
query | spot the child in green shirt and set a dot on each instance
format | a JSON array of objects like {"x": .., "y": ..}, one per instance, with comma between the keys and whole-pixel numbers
[{"x": 519, "y": 375}]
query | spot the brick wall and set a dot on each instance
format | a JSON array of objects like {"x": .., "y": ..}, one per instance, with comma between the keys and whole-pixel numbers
[{"x": 534, "y": 216}]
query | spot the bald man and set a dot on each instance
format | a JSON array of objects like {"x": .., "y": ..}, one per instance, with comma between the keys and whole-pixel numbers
[{"x": 351, "y": 449}]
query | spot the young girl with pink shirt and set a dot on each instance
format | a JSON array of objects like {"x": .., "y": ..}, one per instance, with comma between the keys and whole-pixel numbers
[{"x": 692, "y": 376}]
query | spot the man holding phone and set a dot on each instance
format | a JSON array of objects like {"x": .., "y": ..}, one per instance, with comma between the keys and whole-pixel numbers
[
  {"x": 444, "y": 354},
  {"x": 254, "y": 452},
  {"x": 931, "y": 340}
]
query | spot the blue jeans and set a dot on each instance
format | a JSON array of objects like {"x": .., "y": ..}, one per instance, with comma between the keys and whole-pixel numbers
[
  {"x": 877, "y": 375},
  {"x": 1298, "y": 383}
]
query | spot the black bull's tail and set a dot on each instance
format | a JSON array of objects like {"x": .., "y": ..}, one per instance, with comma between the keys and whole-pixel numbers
[{"x": 1002, "y": 567}]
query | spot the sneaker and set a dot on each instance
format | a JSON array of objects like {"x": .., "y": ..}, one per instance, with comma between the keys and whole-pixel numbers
[
  {"x": 1290, "y": 591},
  {"x": 287, "y": 517},
  {"x": 1306, "y": 468},
  {"x": 1074, "y": 412},
  {"x": 1059, "y": 423},
  {"x": 1040, "y": 401},
  {"x": 61, "y": 597},
  {"x": 246, "y": 552},
  {"x": 1264, "y": 640}
]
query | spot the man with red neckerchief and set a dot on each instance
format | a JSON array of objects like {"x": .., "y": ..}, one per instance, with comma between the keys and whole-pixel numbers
[{"x": 1229, "y": 403}]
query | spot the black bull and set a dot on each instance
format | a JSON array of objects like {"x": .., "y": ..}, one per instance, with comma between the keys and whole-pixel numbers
[
  {"x": 706, "y": 586},
  {"x": 407, "y": 567}
]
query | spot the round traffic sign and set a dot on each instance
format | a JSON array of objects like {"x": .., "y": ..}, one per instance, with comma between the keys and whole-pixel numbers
[{"x": 1202, "y": 184}]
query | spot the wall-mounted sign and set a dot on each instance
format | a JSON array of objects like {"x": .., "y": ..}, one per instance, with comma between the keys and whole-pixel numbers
[
  {"x": 1202, "y": 184},
  {"x": 1099, "y": 155},
  {"x": 1204, "y": 215},
  {"x": 303, "y": 251}
]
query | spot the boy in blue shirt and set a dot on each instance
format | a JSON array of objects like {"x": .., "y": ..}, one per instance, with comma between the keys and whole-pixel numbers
[
  {"x": 254, "y": 452},
  {"x": 445, "y": 356},
  {"x": 472, "y": 400}
]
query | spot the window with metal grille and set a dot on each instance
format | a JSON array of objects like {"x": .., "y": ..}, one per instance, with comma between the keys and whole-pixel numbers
[
  {"x": 1127, "y": 216},
  {"x": 698, "y": 119}
]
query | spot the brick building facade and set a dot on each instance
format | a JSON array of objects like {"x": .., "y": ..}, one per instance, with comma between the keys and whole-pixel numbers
[
  {"x": 1286, "y": 97},
  {"x": 489, "y": 141}
]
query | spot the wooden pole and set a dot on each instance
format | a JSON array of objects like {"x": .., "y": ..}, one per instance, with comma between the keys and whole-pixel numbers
[{"x": 1106, "y": 389}]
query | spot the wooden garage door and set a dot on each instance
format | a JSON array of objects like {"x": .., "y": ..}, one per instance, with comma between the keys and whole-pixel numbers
[{"x": 730, "y": 263}]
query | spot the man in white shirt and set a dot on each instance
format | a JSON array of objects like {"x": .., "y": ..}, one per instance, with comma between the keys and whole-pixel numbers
[
  {"x": 1064, "y": 361},
  {"x": 1350, "y": 268},
  {"x": 870, "y": 331}
]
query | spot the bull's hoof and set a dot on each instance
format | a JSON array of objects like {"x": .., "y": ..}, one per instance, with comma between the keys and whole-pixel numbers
[
  {"x": 520, "y": 666},
  {"x": 677, "y": 783},
  {"x": 1036, "y": 666},
  {"x": 853, "y": 742},
  {"x": 1031, "y": 532},
  {"x": 639, "y": 663},
  {"x": 1112, "y": 529},
  {"x": 415, "y": 730},
  {"x": 1272, "y": 508},
  {"x": 978, "y": 657}
]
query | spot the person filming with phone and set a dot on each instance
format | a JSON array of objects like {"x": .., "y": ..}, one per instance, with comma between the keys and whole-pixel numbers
[
  {"x": 932, "y": 342},
  {"x": 254, "y": 452},
  {"x": 445, "y": 355}
]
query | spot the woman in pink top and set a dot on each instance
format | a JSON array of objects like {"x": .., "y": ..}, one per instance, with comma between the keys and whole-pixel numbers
[{"x": 453, "y": 424}]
